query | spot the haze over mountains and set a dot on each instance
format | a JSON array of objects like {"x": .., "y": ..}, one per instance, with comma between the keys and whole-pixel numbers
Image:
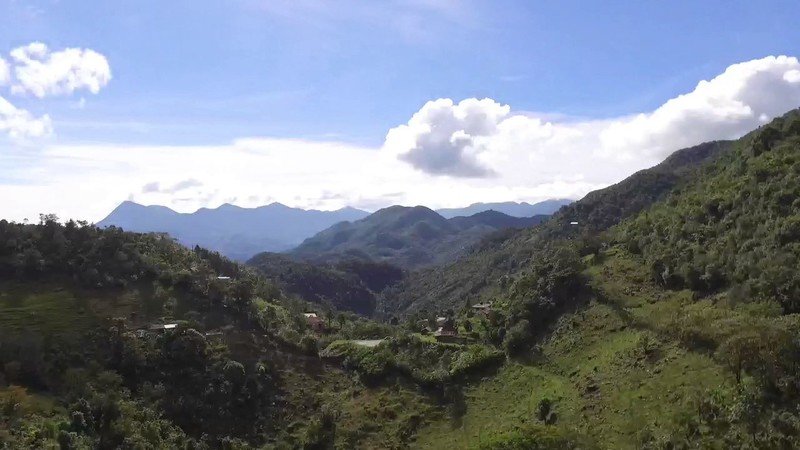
[
  {"x": 514, "y": 209},
  {"x": 239, "y": 233},
  {"x": 236, "y": 232}
]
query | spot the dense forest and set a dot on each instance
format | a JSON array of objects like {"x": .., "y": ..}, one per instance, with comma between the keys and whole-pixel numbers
[{"x": 346, "y": 285}]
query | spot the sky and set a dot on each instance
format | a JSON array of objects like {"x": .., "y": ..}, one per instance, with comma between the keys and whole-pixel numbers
[{"x": 326, "y": 104}]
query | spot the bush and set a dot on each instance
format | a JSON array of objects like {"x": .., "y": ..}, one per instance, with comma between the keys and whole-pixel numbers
[{"x": 518, "y": 338}]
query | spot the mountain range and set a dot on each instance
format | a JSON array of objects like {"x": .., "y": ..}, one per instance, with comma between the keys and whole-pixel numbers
[
  {"x": 239, "y": 233},
  {"x": 514, "y": 209},
  {"x": 236, "y": 232}
]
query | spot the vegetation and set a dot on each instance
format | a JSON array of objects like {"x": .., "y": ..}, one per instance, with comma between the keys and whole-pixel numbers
[
  {"x": 427, "y": 363},
  {"x": 408, "y": 237},
  {"x": 349, "y": 285},
  {"x": 689, "y": 338},
  {"x": 736, "y": 227},
  {"x": 81, "y": 368},
  {"x": 667, "y": 318}
]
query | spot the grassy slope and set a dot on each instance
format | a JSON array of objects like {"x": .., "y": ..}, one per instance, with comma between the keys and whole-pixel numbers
[
  {"x": 615, "y": 370},
  {"x": 50, "y": 308}
]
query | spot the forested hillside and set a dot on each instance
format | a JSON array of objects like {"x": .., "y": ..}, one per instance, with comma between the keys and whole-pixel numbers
[
  {"x": 665, "y": 318},
  {"x": 349, "y": 285},
  {"x": 674, "y": 329},
  {"x": 737, "y": 226},
  {"x": 111, "y": 339},
  {"x": 489, "y": 267},
  {"x": 408, "y": 237}
]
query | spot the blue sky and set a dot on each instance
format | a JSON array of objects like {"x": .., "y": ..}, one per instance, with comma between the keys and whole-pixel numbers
[{"x": 211, "y": 73}]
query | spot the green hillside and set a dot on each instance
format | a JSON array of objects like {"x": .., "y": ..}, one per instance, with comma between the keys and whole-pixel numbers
[
  {"x": 666, "y": 318},
  {"x": 81, "y": 366},
  {"x": 348, "y": 285},
  {"x": 489, "y": 268},
  {"x": 737, "y": 226},
  {"x": 674, "y": 329},
  {"x": 408, "y": 237}
]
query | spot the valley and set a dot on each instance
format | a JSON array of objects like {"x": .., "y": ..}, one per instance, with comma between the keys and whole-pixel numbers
[{"x": 645, "y": 315}]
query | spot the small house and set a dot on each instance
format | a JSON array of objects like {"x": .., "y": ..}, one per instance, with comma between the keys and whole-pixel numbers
[
  {"x": 482, "y": 308},
  {"x": 440, "y": 321},
  {"x": 445, "y": 335}
]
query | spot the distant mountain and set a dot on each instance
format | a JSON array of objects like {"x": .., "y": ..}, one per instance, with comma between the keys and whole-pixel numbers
[
  {"x": 409, "y": 237},
  {"x": 514, "y": 209},
  {"x": 478, "y": 275},
  {"x": 236, "y": 232}
]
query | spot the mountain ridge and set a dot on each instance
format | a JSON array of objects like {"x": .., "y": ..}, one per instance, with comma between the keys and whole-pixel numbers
[
  {"x": 240, "y": 232},
  {"x": 514, "y": 209},
  {"x": 409, "y": 237},
  {"x": 234, "y": 231}
]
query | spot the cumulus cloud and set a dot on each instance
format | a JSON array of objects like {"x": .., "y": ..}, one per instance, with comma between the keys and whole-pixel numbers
[
  {"x": 477, "y": 138},
  {"x": 40, "y": 72},
  {"x": 20, "y": 124},
  {"x": 5, "y": 72},
  {"x": 743, "y": 97},
  {"x": 445, "y": 138}
]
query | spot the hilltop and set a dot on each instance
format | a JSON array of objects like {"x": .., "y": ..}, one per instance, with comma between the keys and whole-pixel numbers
[
  {"x": 515, "y": 209},
  {"x": 409, "y": 237}
]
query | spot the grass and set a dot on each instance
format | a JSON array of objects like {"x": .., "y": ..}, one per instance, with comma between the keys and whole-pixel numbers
[
  {"x": 42, "y": 308},
  {"x": 383, "y": 417},
  {"x": 614, "y": 371},
  {"x": 48, "y": 308}
]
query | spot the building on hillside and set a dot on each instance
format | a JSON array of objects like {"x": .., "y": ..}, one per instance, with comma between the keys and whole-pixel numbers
[
  {"x": 447, "y": 333},
  {"x": 482, "y": 308},
  {"x": 440, "y": 321},
  {"x": 314, "y": 322}
]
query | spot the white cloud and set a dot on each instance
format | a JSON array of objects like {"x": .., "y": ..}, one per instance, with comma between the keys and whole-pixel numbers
[
  {"x": 444, "y": 138},
  {"x": 40, "y": 72},
  {"x": 5, "y": 72},
  {"x": 736, "y": 101},
  {"x": 20, "y": 124},
  {"x": 477, "y": 138},
  {"x": 448, "y": 154}
]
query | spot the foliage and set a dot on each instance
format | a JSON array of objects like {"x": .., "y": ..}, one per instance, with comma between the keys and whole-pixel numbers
[
  {"x": 350, "y": 285},
  {"x": 534, "y": 438},
  {"x": 736, "y": 225},
  {"x": 408, "y": 237},
  {"x": 426, "y": 363}
]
